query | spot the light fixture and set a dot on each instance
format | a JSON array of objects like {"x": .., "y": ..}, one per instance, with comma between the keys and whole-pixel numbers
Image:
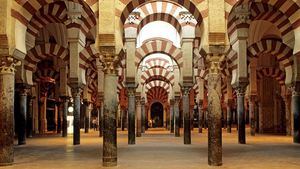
[{"x": 70, "y": 109}]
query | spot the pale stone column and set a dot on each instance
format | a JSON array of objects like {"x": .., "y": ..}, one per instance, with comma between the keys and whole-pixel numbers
[
  {"x": 7, "y": 89},
  {"x": 131, "y": 112},
  {"x": 138, "y": 116},
  {"x": 186, "y": 113},
  {"x": 296, "y": 111},
  {"x": 110, "y": 111},
  {"x": 76, "y": 93},
  {"x": 214, "y": 115},
  {"x": 143, "y": 115},
  {"x": 240, "y": 90},
  {"x": 200, "y": 116},
  {"x": 65, "y": 104},
  {"x": 252, "y": 108},
  {"x": 172, "y": 116},
  {"x": 176, "y": 114},
  {"x": 21, "y": 117}
]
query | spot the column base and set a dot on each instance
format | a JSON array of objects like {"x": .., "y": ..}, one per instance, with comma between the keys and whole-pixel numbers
[
  {"x": 214, "y": 163},
  {"x": 110, "y": 161}
]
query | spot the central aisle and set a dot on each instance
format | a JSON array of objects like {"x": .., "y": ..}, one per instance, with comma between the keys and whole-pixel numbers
[{"x": 157, "y": 149}]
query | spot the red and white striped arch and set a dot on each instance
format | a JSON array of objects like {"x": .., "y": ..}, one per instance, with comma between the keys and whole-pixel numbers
[
  {"x": 157, "y": 62},
  {"x": 88, "y": 56},
  {"x": 44, "y": 51},
  {"x": 159, "y": 46},
  {"x": 157, "y": 83},
  {"x": 190, "y": 6},
  {"x": 282, "y": 52},
  {"x": 157, "y": 71},
  {"x": 275, "y": 73},
  {"x": 282, "y": 13},
  {"x": 25, "y": 10},
  {"x": 157, "y": 94}
]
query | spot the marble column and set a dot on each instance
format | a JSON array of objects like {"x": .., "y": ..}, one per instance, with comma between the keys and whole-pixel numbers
[
  {"x": 287, "y": 102},
  {"x": 123, "y": 119},
  {"x": 177, "y": 118},
  {"x": 7, "y": 89},
  {"x": 22, "y": 120},
  {"x": 200, "y": 116},
  {"x": 65, "y": 105},
  {"x": 29, "y": 117},
  {"x": 138, "y": 116},
  {"x": 240, "y": 90},
  {"x": 296, "y": 112},
  {"x": 59, "y": 117},
  {"x": 252, "y": 99},
  {"x": 214, "y": 115},
  {"x": 131, "y": 113},
  {"x": 76, "y": 93},
  {"x": 86, "y": 116},
  {"x": 110, "y": 113},
  {"x": 143, "y": 115},
  {"x": 172, "y": 116},
  {"x": 229, "y": 116},
  {"x": 100, "y": 115},
  {"x": 186, "y": 113}
]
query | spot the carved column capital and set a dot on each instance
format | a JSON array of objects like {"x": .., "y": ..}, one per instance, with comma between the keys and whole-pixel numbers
[
  {"x": 242, "y": 13},
  {"x": 241, "y": 89},
  {"x": 76, "y": 91},
  {"x": 143, "y": 102},
  {"x": 295, "y": 88},
  {"x": 186, "y": 90},
  {"x": 8, "y": 64},
  {"x": 111, "y": 64},
  {"x": 23, "y": 89}
]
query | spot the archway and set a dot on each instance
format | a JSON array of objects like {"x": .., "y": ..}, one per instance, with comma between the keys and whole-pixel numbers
[{"x": 157, "y": 115}]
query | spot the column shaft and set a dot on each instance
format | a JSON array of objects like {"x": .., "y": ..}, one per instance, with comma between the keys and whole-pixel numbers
[
  {"x": 7, "y": 88},
  {"x": 100, "y": 119},
  {"x": 177, "y": 119},
  {"x": 22, "y": 116},
  {"x": 143, "y": 115},
  {"x": 64, "y": 117},
  {"x": 131, "y": 115},
  {"x": 214, "y": 118},
  {"x": 86, "y": 117},
  {"x": 296, "y": 113},
  {"x": 139, "y": 117},
  {"x": 186, "y": 112},
  {"x": 110, "y": 121},
  {"x": 172, "y": 116},
  {"x": 76, "y": 98},
  {"x": 229, "y": 116},
  {"x": 200, "y": 118},
  {"x": 252, "y": 115},
  {"x": 241, "y": 116},
  {"x": 30, "y": 117}
]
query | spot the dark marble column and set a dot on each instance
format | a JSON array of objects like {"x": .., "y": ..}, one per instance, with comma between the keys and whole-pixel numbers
[
  {"x": 123, "y": 119},
  {"x": 22, "y": 120},
  {"x": 214, "y": 115},
  {"x": 172, "y": 116},
  {"x": 86, "y": 116},
  {"x": 296, "y": 112},
  {"x": 110, "y": 114},
  {"x": 200, "y": 116},
  {"x": 177, "y": 118},
  {"x": 252, "y": 114},
  {"x": 139, "y": 116},
  {"x": 143, "y": 115},
  {"x": 229, "y": 116},
  {"x": 287, "y": 101},
  {"x": 59, "y": 117},
  {"x": 7, "y": 89},
  {"x": 186, "y": 113},
  {"x": 29, "y": 117},
  {"x": 240, "y": 90},
  {"x": 131, "y": 113},
  {"x": 65, "y": 105},
  {"x": 76, "y": 93}
]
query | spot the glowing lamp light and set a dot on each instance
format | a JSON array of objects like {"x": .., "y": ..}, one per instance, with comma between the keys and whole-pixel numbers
[{"x": 70, "y": 109}]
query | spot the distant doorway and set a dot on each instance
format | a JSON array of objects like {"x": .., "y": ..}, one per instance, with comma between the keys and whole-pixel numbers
[{"x": 157, "y": 115}]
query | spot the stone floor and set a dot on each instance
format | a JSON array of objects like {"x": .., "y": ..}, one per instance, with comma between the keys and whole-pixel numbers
[{"x": 158, "y": 149}]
